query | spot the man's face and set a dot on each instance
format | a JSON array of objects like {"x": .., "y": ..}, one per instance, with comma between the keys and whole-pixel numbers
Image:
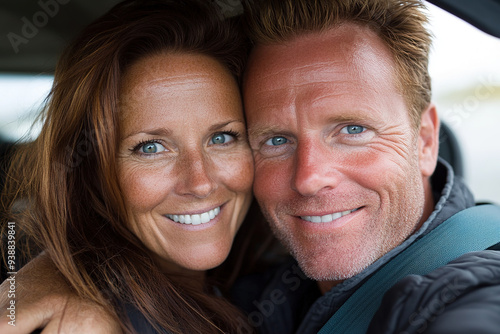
[{"x": 336, "y": 156}]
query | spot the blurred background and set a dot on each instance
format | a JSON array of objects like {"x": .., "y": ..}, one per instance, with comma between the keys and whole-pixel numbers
[{"x": 465, "y": 71}]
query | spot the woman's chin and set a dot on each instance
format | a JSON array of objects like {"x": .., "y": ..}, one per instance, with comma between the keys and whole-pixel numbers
[{"x": 198, "y": 259}]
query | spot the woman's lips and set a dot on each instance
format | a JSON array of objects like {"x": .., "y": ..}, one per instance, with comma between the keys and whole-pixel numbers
[{"x": 196, "y": 219}]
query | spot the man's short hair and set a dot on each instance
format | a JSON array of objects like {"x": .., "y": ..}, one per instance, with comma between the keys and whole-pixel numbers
[{"x": 399, "y": 23}]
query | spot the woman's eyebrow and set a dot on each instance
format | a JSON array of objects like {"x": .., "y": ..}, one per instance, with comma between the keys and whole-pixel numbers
[
  {"x": 221, "y": 125},
  {"x": 166, "y": 132},
  {"x": 151, "y": 132}
]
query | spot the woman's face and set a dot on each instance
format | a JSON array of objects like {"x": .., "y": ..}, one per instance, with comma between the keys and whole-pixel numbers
[{"x": 185, "y": 167}]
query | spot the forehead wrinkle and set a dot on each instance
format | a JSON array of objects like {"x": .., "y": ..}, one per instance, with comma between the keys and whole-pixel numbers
[
  {"x": 272, "y": 74},
  {"x": 316, "y": 69},
  {"x": 319, "y": 69},
  {"x": 325, "y": 99},
  {"x": 170, "y": 85},
  {"x": 291, "y": 92},
  {"x": 361, "y": 113},
  {"x": 180, "y": 80},
  {"x": 325, "y": 96}
]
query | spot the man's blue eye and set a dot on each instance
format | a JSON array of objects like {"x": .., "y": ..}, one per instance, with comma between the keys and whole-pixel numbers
[
  {"x": 353, "y": 129},
  {"x": 221, "y": 138},
  {"x": 151, "y": 148},
  {"x": 276, "y": 141}
]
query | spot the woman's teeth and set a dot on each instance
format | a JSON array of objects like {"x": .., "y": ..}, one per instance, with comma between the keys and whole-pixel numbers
[{"x": 197, "y": 219}]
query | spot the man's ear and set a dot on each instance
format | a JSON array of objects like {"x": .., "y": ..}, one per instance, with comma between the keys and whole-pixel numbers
[{"x": 428, "y": 141}]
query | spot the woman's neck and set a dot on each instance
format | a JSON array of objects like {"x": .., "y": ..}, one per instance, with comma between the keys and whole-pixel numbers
[{"x": 194, "y": 279}]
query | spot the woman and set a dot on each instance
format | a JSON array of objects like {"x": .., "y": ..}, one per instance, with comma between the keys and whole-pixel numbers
[{"x": 141, "y": 175}]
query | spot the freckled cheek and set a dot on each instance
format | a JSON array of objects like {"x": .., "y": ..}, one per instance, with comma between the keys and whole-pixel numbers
[
  {"x": 237, "y": 172},
  {"x": 272, "y": 181},
  {"x": 378, "y": 171},
  {"x": 143, "y": 188}
]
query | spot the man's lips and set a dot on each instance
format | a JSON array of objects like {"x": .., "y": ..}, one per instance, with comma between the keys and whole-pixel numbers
[{"x": 328, "y": 217}]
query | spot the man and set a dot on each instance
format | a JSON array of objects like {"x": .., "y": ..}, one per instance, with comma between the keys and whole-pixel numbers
[{"x": 345, "y": 141}]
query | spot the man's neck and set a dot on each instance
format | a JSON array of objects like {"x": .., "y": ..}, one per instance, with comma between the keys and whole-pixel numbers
[{"x": 325, "y": 286}]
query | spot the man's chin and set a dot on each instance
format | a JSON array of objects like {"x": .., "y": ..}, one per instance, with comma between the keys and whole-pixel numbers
[
  {"x": 327, "y": 265},
  {"x": 317, "y": 272}
]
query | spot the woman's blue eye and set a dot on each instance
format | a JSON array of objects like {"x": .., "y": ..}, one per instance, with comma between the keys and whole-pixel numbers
[
  {"x": 152, "y": 147},
  {"x": 221, "y": 138},
  {"x": 353, "y": 129},
  {"x": 276, "y": 141}
]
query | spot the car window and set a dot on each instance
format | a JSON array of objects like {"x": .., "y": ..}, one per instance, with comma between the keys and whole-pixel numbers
[
  {"x": 21, "y": 98},
  {"x": 465, "y": 75},
  {"x": 465, "y": 70}
]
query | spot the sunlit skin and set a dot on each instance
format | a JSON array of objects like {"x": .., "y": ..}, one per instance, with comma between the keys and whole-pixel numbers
[
  {"x": 183, "y": 151},
  {"x": 330, "y": 133}
]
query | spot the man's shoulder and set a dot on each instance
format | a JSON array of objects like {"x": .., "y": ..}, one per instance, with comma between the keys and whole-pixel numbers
[{"x": 456, "y": 298}]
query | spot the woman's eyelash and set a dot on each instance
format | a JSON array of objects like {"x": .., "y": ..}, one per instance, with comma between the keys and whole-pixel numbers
[
  {"x": 235, "y": 134},
  {"x": 137, "y": 147}
]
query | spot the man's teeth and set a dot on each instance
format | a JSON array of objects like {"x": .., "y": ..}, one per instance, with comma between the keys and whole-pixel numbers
[
  {"x": 201, "y": 218},
  {"x": 326, "y": 218}
]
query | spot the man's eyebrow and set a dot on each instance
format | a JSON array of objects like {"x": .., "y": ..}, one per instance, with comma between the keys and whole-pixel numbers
[
  {"x": 347, "y": 119},
  {"x": 264, "y": 131}
]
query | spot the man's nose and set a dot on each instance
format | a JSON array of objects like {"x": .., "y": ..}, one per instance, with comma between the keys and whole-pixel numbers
[
  {"x": 315, "y": 169},
  {"x": 195, "y": 172}
]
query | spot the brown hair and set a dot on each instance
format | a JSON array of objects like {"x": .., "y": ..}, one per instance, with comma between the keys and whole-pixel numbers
[
  {"x": 399, "y": 23},
  {"x": 67, "y": 177}
]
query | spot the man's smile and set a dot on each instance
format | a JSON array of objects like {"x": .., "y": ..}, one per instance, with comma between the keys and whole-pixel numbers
[{"x": 328, "y": 217}]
